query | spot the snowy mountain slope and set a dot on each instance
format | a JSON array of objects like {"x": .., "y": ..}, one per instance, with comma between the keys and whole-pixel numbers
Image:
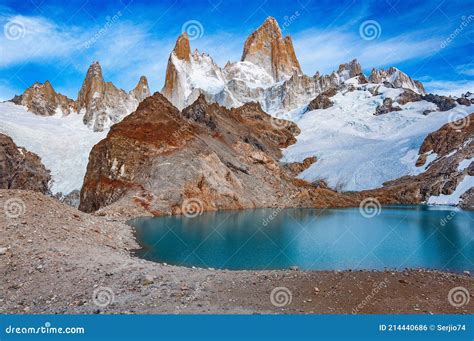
[
  {"x": 62, "y": 143},
  {"x": 357, "y": 150}
]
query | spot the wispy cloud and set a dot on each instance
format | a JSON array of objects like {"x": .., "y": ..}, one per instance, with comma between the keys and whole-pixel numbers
[
  {"x": 453, "y": 88},
  {"x": 27, "y": 39},
  {"x": 323, "y": 51},
  {"x": 466, "y": 69}
]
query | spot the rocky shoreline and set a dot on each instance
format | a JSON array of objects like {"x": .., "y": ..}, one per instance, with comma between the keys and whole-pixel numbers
[{"x": 56, "y": 259}]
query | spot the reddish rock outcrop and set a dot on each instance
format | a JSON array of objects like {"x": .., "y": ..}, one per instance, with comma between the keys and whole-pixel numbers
[
  {"x": 161, "y": 160},
  {"x": 21, "y": 169},
  {"x": 41, "y": 99},
  {"x": 267, "y": 48}
]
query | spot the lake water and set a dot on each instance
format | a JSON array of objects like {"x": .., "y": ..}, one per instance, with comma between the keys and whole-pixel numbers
[{"x": 332, "y": 239}]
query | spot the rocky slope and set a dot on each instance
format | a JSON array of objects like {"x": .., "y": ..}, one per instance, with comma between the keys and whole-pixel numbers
[
  {"x": 204, "y": 158},
  {"x": 268, "y": 73},
  {"x": 43, "y": 100},
  {"x": 21, "y": 169},
  {"x": 101, "y": 103}
]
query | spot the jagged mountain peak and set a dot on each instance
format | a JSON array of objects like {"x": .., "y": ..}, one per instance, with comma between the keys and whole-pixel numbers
[
  {"x": 95, "y": 71},
  {"x": 182, "y": 49},
  {"x": 102, "y": 103},
  {"x": 267, "y": 48},
  {"x": 353, "y": 68},
  {"x": 141, "y": 90}
]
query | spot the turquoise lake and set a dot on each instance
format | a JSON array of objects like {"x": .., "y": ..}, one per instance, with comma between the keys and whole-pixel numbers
[{"x": 311, "y": 239}]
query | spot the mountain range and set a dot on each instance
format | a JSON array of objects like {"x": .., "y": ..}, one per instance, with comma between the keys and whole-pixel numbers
[{"x": 255, "y": 133}]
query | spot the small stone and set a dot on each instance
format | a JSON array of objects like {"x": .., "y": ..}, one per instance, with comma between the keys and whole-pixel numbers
[
  {"x": 316, "y": 289},
  {"x": 468, "y": 273},
  {"x": 3, "y": 250},
  {"x": 294, "y": 268},
  {"x": 403, "y": 281},
  {"x": 147, "y": 280}
]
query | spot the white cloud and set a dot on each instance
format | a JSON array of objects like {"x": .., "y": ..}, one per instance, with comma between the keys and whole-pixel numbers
[
  {"x": 323, "y": 51},
  {"x": 466, "y": 69},
  {"x": 27, "y": 39},
  {"x": 454, "y": 88}
]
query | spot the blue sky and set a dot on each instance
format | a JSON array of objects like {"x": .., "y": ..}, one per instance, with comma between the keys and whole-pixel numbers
[{"x": 432, "y": 41}]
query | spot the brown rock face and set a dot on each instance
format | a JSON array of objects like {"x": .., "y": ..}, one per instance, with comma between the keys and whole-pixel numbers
[
  {"x": 160, "y": 159},
  {"x": 267, "y": 48},
  {"x": 141, "y": 91},
  {"x": 21, "y": 169},
  {"x": 297, "y": 167},
  {"x": 353, "y": 68},
  {"x": 41, "y": 99},
  {"x": 172, "y": 89},
  {"x": 322, "y": 101}
]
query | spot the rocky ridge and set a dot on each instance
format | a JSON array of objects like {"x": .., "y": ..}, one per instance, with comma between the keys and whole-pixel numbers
[{"x": 21, "y": 169}]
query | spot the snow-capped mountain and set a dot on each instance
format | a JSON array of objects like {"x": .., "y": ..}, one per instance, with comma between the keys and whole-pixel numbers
[
  {"x": 269, "y": 73},
  {"x": 43, "y": 100},
  {"x": 101, "y": 103}
]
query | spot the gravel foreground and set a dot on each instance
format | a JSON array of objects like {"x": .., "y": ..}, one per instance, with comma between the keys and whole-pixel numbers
[{"x": 56, "y": 259}]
